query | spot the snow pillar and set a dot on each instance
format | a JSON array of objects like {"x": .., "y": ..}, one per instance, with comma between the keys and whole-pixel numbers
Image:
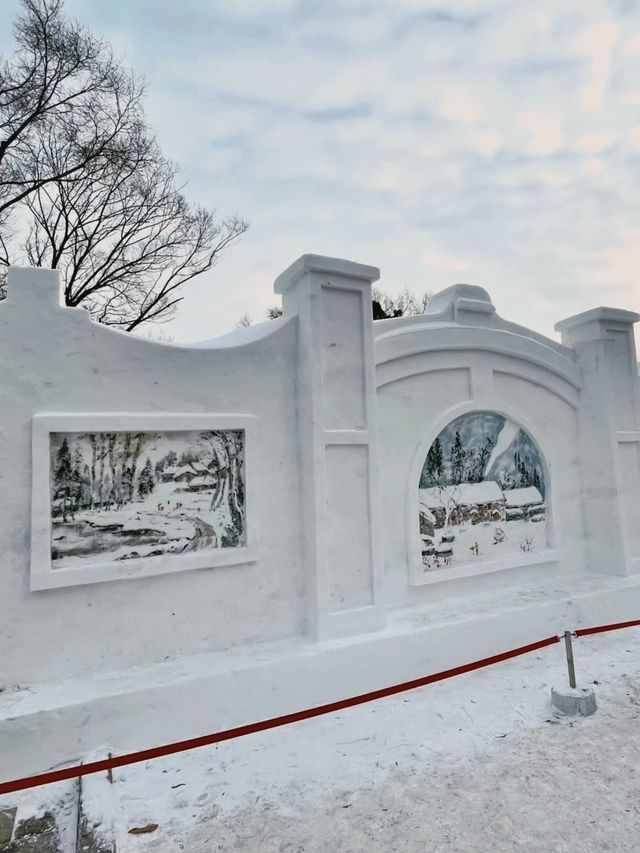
[
  {"x": 336, "y": 395},
  {"x": 608, "y": 435}
]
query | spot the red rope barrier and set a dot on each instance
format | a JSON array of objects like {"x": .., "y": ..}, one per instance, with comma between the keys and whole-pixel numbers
[
  {"x": 600, "y": 629},
  {"x": 252, "y": 728},
  {"x": 296, "y": 717}
]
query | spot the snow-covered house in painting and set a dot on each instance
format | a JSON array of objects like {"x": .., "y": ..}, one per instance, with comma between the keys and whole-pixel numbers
[
  {"x": 185, "y": 474},
  {"x": 201, "y": 483},
  {"x": 453, "y": 504},
  {"x": 204, "y": 514},
  {"x": 428, "y": 520},
  {"x": 524, "y": 502}
]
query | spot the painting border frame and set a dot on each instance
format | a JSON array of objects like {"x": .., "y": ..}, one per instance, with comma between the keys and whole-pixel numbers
[{"x": 42, "y": 575}]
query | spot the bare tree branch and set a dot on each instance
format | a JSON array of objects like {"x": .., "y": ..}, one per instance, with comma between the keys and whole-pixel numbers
[{"x": 104, "y": 205}]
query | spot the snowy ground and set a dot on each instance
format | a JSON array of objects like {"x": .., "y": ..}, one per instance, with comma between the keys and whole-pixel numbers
[{"x": 476, "y": 763}]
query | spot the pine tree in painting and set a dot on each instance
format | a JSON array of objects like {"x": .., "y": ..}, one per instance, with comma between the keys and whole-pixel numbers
[
  {"x": 64, "y": 479},
  {"x": 434, "y": 464},
  {"x": 457, "y": 459},
  {"x": 146, "y": 482}
]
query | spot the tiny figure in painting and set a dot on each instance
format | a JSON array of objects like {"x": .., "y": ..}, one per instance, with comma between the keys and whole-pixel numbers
[
  {"x": 475, "y": 549},
  {"x": 527, "y": 545},
  {"x": 498, "y": 536}
]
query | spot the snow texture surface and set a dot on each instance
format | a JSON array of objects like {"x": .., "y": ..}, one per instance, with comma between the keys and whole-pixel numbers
[{"x": 480, "y": 762}]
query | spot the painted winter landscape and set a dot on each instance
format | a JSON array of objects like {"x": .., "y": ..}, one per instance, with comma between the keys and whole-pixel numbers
[
  {"x": 481, "y": 493},
  {"x": 126, "y": 495}
]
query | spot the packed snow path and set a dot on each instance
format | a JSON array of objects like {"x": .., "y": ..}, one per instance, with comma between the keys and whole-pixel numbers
[{"x": 476, "y": 763}]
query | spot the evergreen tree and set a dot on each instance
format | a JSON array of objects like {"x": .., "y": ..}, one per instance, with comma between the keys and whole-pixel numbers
[
  {"x": 483, "y": 457},
  {"x": 434, "y": 463},
  {"x": 457, "y": 459},
  {"x": 146, "y": 482},
  {"x": 64, "y": 471},
  {"x": 63, "y": 478}
]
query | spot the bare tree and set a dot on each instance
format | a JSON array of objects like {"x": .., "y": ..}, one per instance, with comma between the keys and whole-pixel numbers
[
  {"x": 104, "y": 205},
  {"x": 384, "y": 305},
  {"x": 124, "y": 237},
  {"x": 402, "y": 305},
  {"x": 60, "y": 83}
]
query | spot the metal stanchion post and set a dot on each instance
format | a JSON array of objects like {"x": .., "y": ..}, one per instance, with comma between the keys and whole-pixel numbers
[
  {"x": 573, "y": 700},
  {"x": 570, "y": 663}
]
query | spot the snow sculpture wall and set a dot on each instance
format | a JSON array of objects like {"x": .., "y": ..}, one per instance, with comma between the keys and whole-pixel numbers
[
  {"x": 578, "y": 403},
  {"x": 302, "y": 391},
  {"x": 324, "y": 422}
]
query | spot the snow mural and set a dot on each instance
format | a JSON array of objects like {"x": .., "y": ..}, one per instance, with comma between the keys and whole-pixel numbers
[
  {"x": 125, "y": 495},
  {"x": 481, "y": 493}
]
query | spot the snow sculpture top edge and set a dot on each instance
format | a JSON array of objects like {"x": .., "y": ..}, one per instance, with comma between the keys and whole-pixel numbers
[
  {"x": 463, "y": 305},
  {"x": 322, "y": 264},
  {"x": 33, "y": 291}
]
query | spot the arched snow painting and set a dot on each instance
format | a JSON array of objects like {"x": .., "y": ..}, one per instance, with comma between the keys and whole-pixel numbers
[
  {"x": 125, "y": 495},
  {"x": 481, "y": 493}
]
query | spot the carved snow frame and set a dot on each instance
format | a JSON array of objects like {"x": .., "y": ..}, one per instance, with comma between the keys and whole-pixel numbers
[{"x": 42, "y": 573}]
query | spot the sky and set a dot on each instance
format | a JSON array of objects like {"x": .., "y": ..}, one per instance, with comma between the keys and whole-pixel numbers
[{"x": 494, "y": 142}]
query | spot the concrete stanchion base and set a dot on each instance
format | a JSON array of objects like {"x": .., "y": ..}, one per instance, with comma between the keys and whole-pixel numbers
[{"x": 574, "y": 701}]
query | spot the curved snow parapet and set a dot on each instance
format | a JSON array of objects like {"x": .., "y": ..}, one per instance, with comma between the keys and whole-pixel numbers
[
  {"x": 72, "y": 377},
  {"x": 462, "y": 317},
  {"x": 460, "y": 360},
  {"x": 243, "y": 336}
]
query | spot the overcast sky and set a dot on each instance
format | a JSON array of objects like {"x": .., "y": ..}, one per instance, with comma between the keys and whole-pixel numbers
[{"x": 495, "y": 142}]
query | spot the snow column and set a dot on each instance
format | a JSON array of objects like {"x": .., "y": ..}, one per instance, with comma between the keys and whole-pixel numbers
[
  {"x": 609, "y": 435},
  {"x": 337, "y": 434}
]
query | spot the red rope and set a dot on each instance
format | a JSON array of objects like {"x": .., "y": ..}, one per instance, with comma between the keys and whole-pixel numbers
[
  {"x": 263, "y": 725},
  {"x": 295, "y": 717},
  {"x": 600, "y": 629}
]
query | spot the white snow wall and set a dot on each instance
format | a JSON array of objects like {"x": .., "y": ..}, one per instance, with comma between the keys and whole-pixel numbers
[
  {"x": 345, "y": 412},
  {"x": 579, "y": 401},
  {"x": 308, "y": 381}
]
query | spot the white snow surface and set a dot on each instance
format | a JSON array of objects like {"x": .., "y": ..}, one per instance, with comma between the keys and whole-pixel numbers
[{"x": 480, "y": 762}]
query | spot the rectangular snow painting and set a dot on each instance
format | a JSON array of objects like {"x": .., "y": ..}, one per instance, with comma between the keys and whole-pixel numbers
[
  {"x": 482, "y": 493},
  {"x": 120, "y": 496}
]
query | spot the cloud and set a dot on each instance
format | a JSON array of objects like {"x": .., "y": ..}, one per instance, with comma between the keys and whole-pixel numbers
[
  {"x": 444, "y": 263},
  {"x": 545, "y": 131},
  {"x": 459, "y": 107},
  {"x": 598, "y": 42},
  {"x": 503, "y": 137}
]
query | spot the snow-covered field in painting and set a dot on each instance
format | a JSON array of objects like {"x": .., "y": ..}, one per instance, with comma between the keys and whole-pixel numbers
[
  {"x": 144, "y": 531},
  {"x": 520, "y": 537},
  {"x": 478, "y": 763}
]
